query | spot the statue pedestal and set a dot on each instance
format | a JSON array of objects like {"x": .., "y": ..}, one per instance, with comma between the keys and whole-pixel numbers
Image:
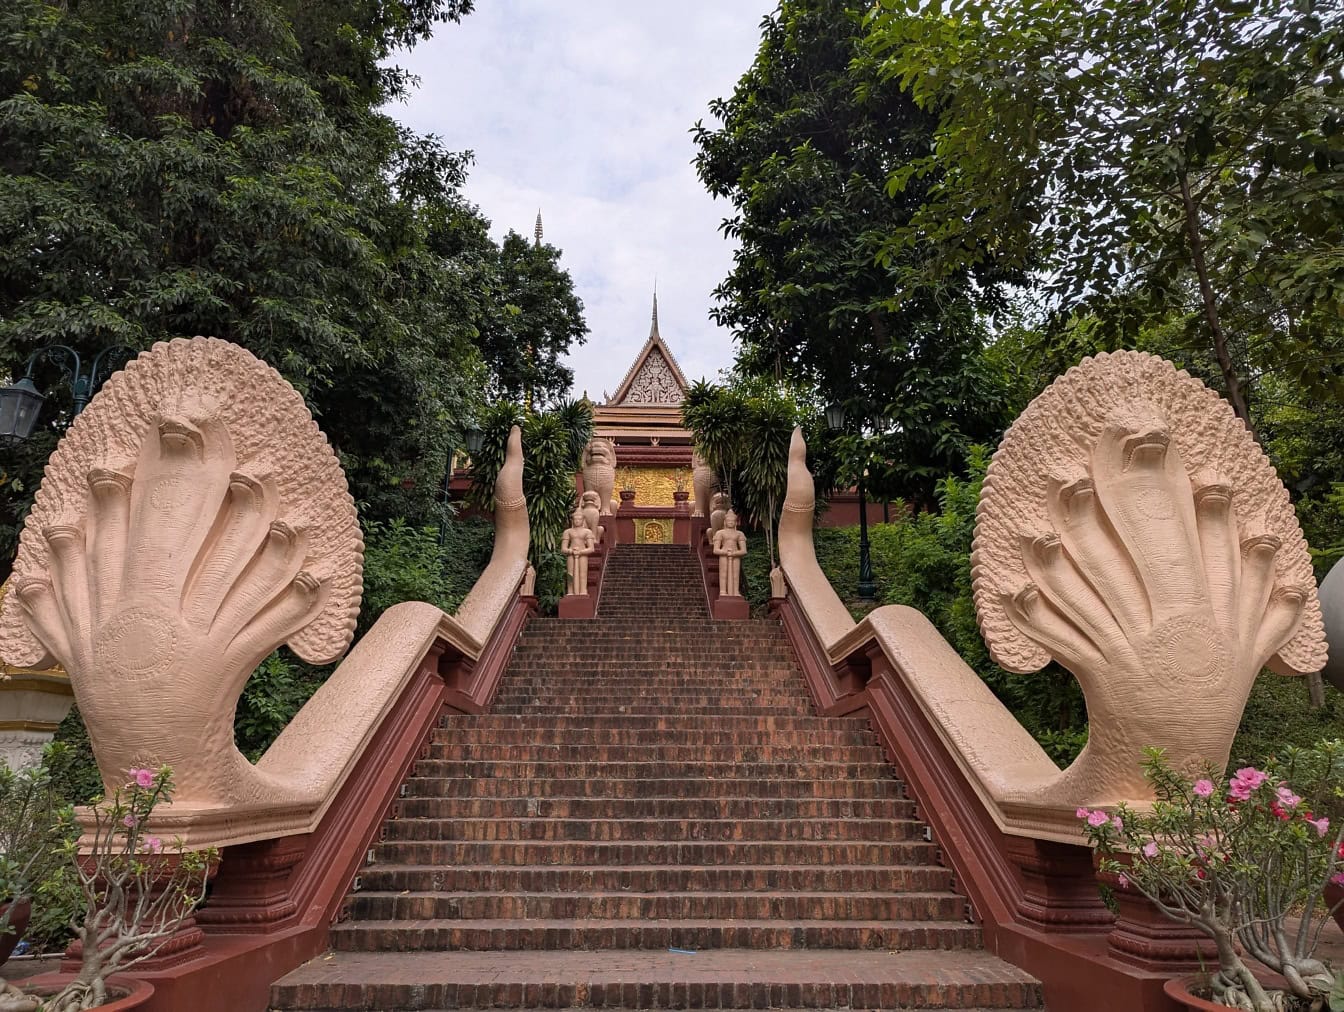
[{"x": 32, "y": 706}]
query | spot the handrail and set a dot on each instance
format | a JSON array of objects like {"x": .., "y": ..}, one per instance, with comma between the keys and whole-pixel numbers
[{"x": 1019, "y": 859}]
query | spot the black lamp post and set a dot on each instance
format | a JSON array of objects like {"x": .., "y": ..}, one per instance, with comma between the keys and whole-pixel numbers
[
  {"x": 472, "y": 437},
  {"x": 835, "y": 420},
  {"x": 21, "y": 402}
]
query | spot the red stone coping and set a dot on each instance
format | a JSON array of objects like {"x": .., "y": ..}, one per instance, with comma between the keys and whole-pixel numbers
[{"x": 1037, "y": 901}]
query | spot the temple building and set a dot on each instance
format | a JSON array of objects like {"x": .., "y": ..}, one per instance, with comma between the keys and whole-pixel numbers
[{"x": 653, "y": 449}]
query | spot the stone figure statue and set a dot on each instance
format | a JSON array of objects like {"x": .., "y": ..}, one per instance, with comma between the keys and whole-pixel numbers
[
  {"x": 719, "y": 508},
  {"x": 779, "y": 587},
  {"x": 1332, "y": 611},
  {"x": 529, "y": 588},
  {"x": 599, "y": 471},
  {"x": 730, "y": 545},
  {"x": 702, "y": 482},
  {"x": 577, "y": 544},
  {"x": 590, "y": 503}
]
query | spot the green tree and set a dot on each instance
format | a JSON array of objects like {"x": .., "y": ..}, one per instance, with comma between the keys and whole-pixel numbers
[
  {"x": 802, "y": 149},
  {"x": 1178, "y": 164},
  {"x": 539, "y": 320},
  {"x": 179, "y": 167}
]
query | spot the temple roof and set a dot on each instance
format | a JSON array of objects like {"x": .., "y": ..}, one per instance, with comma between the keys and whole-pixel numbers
[{"x": 655, "y": 377}]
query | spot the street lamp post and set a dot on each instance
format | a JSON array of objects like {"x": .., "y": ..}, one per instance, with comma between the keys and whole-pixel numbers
[
  {"x": 835, "y": 420},
  {"x": 21, "y": 402},
  {"x": 472, "y": 437}
]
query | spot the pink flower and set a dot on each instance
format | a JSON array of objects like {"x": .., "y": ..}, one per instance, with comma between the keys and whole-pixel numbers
[
  {"x": 1321, "y": 824},
  {"x": 1097, "y": 818},
  {"x": 1123, "y": 881},
  {"x": 1150, "y": 849},
  {"x": 141, "y": 777},
  {"x": 1286, "y": 797},
  {"x": 1239, "y": 790},
  {"x": 1203, "y": 788},
  {"x": 1251, "y": 776},
  {"x": 1117, "y": 824},
  {"x": 153, "y": 844},
  {"x": 130, "y": 822},
  {"x": 1082, "y": 813}
]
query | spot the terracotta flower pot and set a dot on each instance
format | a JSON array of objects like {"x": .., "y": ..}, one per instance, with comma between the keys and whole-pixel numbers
[
  {"x": 131, "y": 992},
  {"x": 1178, "y": 989},
  {"x": 18, "y": 924}
]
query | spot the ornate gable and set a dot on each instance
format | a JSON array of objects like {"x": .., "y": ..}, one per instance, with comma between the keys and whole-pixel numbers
[{"x": 655, "y": 377}]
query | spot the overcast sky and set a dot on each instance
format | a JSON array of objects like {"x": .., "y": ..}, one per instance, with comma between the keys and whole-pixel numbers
[{"x": 584, "y": 110}]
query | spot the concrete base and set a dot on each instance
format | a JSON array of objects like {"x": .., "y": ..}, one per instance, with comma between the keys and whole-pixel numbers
[
  {"x": 730, "y": 608},
  {"x": 577, "y": 606}
]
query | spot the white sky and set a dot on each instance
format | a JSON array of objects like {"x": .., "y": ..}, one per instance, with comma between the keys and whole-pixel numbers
[{"x": 584, "y": 110}]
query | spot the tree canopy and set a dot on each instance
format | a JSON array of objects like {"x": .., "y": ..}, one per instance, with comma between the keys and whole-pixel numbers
[
  {"x": 179, "y": 167},
  {"x": 803, "y": 149},
  {"x": 1172, "y": 165}
]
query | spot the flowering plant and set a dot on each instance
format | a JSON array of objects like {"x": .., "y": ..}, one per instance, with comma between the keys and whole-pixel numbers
[
  {"x": 138, "y": 888},
  {"x": 1240, "y": 860}
]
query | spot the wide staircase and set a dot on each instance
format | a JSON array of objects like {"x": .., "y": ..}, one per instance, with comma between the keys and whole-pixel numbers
[{"x": 652, "y": 817}]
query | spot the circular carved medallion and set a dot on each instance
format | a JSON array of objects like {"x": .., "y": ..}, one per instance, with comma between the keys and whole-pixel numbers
[{"x": 139, "y": 641}]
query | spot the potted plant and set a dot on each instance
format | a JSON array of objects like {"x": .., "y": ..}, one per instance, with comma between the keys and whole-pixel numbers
[
  {"x": 35, "y": 826},
  {"x": 138, "y": 892},
  {"x": 1245, "y": 860},
  {"x": 682, "y": 492},
  {"x": 627, "y": 485}
]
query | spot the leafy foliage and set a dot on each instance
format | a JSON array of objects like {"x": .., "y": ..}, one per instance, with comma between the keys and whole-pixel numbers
[
  {"x": 802, "y": 149},
  {"x": 1181, "y": 163},
  {"x": 553, "y": 443},
  {"x": 36, "y": 824},
  {"x": 539, "y": 320}
]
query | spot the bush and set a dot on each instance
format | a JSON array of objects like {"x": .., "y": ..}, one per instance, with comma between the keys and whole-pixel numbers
[{"x": 36, "y": 828}]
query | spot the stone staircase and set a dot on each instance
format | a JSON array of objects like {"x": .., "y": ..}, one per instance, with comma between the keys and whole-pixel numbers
[{"x": 651, "y": 817}]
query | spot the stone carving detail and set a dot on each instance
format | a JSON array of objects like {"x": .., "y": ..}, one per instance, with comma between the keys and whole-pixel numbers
[
  {"x": 1130, "y": 528},
  {"x": 703, "y": 481},
  {"x": 577, "y": 544},
  {"x": 191, "y": 520},
  {"x": 590, "y": 504},
  {"x": 718, "y": 511},
  {"x": 599, "y": 472},
  {"x": 730, "y": 545},
  {"x": 779, "y": 586},
  {"x": 655, "y": 383},
  {"x": 529, "y": 585}
]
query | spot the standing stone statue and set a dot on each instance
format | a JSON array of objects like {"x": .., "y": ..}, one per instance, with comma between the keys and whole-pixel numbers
[
  {"x": 590, "y": 503},
  {"x": 577, "y": 544},
  {"x": 730, "y": 545},
  {"x": 779, "y": 586},
  {"x": 599, "y": 471},
  {"x": 529, "y": 588},
  {"x": 702, "y": 482},
  {"x": 719, "y": 509}
]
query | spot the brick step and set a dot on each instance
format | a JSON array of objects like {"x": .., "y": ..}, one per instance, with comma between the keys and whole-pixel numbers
[
  {"x": 727, "y": 906},
  {"x": 674, "y": 679},
  {"x": 655, "y": 852},
  {"x": 513, "y": 722},
  {"x": 634, "y": 769},
  {"x": 604, "y": 693},
  {"x": 494, "y": 751},
  {"x": 429, "y": 827},
  {"x": 645, "y": 879},
  {"x": 463, "y": 787},
  {"x": 763, "y": 936},
  {"x": 724, "y": 979},
  {"x": 651, "y": 808},
  {"x": 636, "y": 708},
  {"x": 461, "y": 732}
]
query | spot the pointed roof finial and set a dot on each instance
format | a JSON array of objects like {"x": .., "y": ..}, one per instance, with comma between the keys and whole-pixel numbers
[
  {"x": 537, "y": 231},
  {"x": 653, "y": 330}
]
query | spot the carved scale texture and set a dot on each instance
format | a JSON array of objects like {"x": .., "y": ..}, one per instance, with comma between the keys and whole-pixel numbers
[
  {"x": 273, "y": 435},
  {"x": 1054, "y": 438}
]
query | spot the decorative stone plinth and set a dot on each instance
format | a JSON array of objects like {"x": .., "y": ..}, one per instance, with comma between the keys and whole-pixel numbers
[
  {"x": 1059, "y": 886},
  {"x": 1145, "y": 937},
  {"x": 32, "y": 706}
]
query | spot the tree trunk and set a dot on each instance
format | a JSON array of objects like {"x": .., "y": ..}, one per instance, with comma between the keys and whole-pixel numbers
[{"x": 1236, "y": 389}]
